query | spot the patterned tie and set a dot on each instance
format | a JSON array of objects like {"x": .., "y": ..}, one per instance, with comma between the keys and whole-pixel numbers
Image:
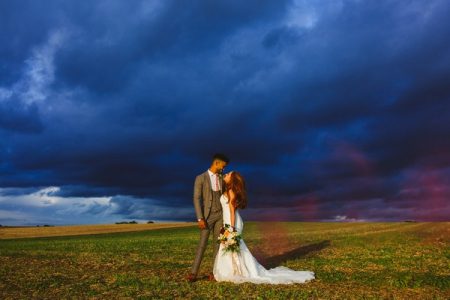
[{"x": 217, "y": 182}]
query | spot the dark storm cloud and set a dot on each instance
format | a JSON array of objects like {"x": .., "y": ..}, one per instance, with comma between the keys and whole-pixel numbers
[
  {"x": 326, "y": 108},
  {"x": 112, "y": 51},
  {"x": 18, "y": 119}
]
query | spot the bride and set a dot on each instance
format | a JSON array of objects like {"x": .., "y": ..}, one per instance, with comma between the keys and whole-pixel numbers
[{"x": 242, "y": 266}]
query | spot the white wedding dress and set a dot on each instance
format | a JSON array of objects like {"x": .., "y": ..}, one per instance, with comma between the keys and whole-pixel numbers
[{"x": 243, "y": 267}]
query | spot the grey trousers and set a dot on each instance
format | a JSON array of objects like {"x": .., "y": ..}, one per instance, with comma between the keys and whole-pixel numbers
[{"x": 214, "y": 223}]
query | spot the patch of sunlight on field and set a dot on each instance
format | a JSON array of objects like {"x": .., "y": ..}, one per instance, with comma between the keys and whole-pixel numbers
[{"x": 27, "y": 232}]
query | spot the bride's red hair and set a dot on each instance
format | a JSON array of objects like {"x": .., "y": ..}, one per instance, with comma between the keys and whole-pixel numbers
[{"x": 237, "y": 184}]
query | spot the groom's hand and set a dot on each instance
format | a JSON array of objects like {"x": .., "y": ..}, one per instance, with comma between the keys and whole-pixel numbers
[{"x": 202, "y": 224}]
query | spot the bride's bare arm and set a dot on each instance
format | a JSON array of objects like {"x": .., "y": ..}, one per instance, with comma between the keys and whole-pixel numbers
[{"x": 232, "y": 208}]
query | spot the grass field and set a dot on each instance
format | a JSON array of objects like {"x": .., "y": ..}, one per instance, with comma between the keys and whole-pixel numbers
[{"x": 403, "y": 260}]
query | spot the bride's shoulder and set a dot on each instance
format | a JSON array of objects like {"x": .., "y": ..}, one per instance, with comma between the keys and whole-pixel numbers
[
  {"x": 229, "y": 197},
  {"x": 225, "y": 197}
]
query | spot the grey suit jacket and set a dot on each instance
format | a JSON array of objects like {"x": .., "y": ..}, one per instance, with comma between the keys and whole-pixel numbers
[{"x": 203, "y": 195}]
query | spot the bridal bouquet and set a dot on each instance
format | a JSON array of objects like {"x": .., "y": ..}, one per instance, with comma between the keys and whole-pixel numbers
[{"x": 230, "y": 238}]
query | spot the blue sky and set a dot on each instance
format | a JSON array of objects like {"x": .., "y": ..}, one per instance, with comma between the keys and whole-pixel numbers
[{"x": 331, "y": 110}]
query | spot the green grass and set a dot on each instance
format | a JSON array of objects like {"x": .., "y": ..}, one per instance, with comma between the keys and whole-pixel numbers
[{"x": 350, "y": 260}]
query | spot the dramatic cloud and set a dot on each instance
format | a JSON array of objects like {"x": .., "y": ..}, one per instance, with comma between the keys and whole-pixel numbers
[{"x": 332, "y": 110}]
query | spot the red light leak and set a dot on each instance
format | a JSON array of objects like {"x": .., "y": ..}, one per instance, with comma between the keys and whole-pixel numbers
[
  {"x": 308, "y": 207},
  {"x": 426, "y": 192},
  {"x": 274, "y": 240},
  {"x": 357, "y": 158},
  {"x": 362, "y": 166}
]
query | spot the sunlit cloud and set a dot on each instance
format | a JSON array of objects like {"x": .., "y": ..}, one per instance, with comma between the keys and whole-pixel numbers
[{"x": 45, "y": 205}]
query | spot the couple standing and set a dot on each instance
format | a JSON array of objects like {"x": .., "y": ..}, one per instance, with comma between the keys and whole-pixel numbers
[{"x": 217, "y": 200}]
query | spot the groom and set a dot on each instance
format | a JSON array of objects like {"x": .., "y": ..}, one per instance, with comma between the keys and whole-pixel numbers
[{"x": 208, "y": 188}]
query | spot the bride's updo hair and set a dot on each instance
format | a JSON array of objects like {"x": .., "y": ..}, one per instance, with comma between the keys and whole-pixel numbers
[{"x": 237, "y": 184}]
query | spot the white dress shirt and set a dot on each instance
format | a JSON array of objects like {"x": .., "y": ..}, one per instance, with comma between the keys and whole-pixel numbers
[{"x": 213, "y": 178}]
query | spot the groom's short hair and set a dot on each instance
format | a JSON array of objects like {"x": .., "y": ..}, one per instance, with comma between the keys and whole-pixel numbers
[{"x": 221, "y": 157}]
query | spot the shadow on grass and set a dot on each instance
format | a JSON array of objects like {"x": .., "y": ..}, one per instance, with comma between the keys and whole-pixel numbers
[{"x": 276, "y": 260}]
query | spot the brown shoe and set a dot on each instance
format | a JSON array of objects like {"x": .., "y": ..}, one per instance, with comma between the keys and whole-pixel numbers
[
  {"x": 191, "y": 277},
  {"x": 211, "y": 277}
]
